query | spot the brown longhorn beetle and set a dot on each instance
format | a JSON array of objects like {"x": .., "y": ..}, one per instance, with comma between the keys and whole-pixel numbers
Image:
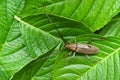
[{"x": 76, "y": 47}]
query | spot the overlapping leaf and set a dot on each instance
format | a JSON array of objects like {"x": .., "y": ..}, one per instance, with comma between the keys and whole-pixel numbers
[
  {"x": 112, "y": 28},
  {"x": 65, "y": 26},
  {"x": 94, "y": 13},
  {"x": 41, "y": 66}
]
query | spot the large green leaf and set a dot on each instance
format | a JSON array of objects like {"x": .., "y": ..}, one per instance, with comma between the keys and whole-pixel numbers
[{"x": 94, "y": 13}]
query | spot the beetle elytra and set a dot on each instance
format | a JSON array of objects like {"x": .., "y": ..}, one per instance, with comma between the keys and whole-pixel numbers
[{"x": 82, "y": 48}]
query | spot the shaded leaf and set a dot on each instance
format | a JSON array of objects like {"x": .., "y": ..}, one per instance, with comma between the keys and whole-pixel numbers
[
  {"x": 40, "y": 68},
  {"x": 112, "y": 28},
  {"x": 66, "y": 27}
]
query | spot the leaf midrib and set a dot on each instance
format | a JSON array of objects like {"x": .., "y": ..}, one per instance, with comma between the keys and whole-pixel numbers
[{"x": 19, "y": 19}]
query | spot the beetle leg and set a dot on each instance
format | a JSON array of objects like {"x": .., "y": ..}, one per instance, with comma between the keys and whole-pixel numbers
[
  {"x": 70, "y": 53},
  {"x": 73, "y": 54},
  {"x": 95, "y": 39},
  {"x": 76, "y": 45},
  {"x": 90, "y": 40},
  {"x": 75, "y": 49},
  {"x": 69, "y": 61},
  {"x": 87, "y": 56}
]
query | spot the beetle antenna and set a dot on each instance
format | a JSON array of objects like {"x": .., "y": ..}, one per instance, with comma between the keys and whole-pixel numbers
[{"x": 55, "y": 25}]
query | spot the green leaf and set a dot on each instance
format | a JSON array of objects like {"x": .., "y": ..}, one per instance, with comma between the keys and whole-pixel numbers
[
  {"x": 94, "y": 13},
  {"x": 14, "y": 51},
  {"x": 103, "y": 66},
  {"x": 36, "y": 40},
  {"x": 8, "y": 8},
  {"x": 112, "y": 28},
  {"x": 21, "y": 47},
  {"x": 40, "y": 68}
]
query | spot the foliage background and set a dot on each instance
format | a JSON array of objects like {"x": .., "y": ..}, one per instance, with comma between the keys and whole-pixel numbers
[{"x": 31, "y": 49}]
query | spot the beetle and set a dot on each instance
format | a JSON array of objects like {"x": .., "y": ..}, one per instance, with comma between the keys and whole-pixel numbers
[{"x": 82, "y": 48}]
